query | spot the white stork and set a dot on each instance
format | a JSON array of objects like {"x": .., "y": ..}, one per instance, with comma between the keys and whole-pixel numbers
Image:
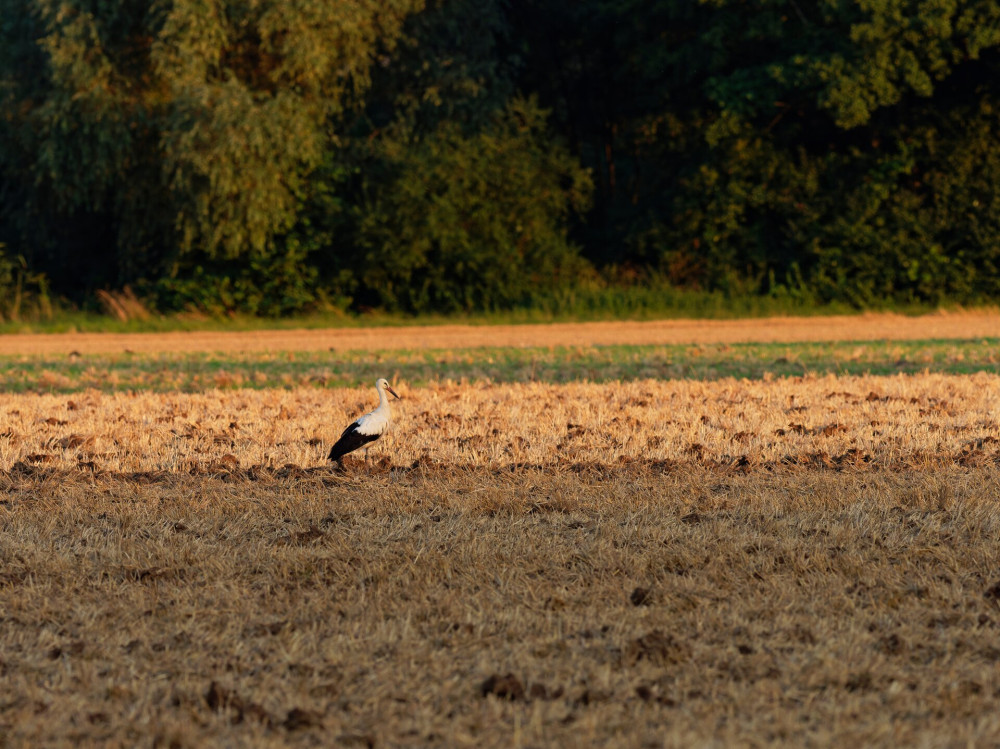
[{"x": 367, "y": 428}]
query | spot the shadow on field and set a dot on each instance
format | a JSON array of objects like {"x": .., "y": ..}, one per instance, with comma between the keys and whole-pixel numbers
[{"x": 972, "y": 455}]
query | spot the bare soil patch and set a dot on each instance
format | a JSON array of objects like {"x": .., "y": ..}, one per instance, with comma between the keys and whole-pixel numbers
[{"x": 869, "y": 327}]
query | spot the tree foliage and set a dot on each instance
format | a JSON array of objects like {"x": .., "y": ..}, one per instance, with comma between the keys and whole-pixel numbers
[
  {"x": 187, "y": 126},
  {"x": 472, "y": 221},
  {"x": 774, "y": 146},
  {"x": 459, "y": 154}
]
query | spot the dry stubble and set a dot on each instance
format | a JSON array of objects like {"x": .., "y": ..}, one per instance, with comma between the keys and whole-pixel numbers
[
  {"x": 813, "y": 562},
  {"x": 867, "y": 327},
  {"x": 810, "y": 607},
  {"x": 888, "y": 422}
]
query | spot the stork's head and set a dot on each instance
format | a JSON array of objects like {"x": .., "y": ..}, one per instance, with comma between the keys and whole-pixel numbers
[{"x": 383, "y": 384}]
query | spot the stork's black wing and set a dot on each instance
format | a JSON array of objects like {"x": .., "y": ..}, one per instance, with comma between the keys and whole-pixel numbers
[{"x": 350, "y": 441}]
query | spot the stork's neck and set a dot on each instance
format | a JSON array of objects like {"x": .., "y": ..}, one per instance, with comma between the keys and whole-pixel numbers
[{"x": 383, "y": 399}]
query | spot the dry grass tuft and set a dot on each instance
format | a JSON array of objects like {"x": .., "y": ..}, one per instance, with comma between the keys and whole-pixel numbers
[{"x": 123, "y": 305}]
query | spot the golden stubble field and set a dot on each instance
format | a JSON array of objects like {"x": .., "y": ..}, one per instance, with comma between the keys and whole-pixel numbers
[
  {"x": 807, "y": 561},
  {"x": 882, "y": 421}
]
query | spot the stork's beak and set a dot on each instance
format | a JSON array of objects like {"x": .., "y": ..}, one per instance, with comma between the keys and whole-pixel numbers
[{"x": 387, "y": 387}]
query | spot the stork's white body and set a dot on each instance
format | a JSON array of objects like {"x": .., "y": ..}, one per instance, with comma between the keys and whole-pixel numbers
[{"x": 377, "y": 421}]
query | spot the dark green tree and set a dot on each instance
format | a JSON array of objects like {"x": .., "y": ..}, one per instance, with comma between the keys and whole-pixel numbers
[
  {"x": 263, "y": 156},
  {"x": 138, "y": 136},
  {"x": 472, "y": 222},
  {"x": 449, "y": 192},
  {"x": 769, "y": 146}
]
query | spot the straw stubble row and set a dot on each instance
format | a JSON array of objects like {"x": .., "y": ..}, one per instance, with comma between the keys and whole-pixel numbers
[{"x": 898, "y": 421}]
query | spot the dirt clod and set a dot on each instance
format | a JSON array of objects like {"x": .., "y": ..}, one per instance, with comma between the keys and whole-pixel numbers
[
  {"x": 539, "y": 691},
  {"x": 298, "y": 719},
  {"x": 892, "y": 644},
  {"x": 641, "y": 597},
  {"x": 507, "y": 687},
  {"x": 657, "y": 647}
]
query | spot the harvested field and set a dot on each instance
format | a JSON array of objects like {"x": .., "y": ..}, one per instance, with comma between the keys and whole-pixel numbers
[
  {"x": 535, "y": 608},
  {"x": 869, "y": 327},
  {"x": 801, "y": 560},
  {"x": 886, "y": 422}
]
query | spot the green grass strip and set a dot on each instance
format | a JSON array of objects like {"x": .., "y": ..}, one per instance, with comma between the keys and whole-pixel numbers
[
  {"x": 197, "y": 372},
  {"x": 613, "y": 304}
]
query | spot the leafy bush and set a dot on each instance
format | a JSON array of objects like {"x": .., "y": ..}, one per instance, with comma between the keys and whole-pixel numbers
[
  {"x": 473, "y": 222},
  {"x": 271, "y": 284},
  {"x": 23, "y": 293}
]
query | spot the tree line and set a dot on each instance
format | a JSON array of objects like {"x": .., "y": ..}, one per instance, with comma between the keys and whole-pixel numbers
[{"x": 278, "y": 156}]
